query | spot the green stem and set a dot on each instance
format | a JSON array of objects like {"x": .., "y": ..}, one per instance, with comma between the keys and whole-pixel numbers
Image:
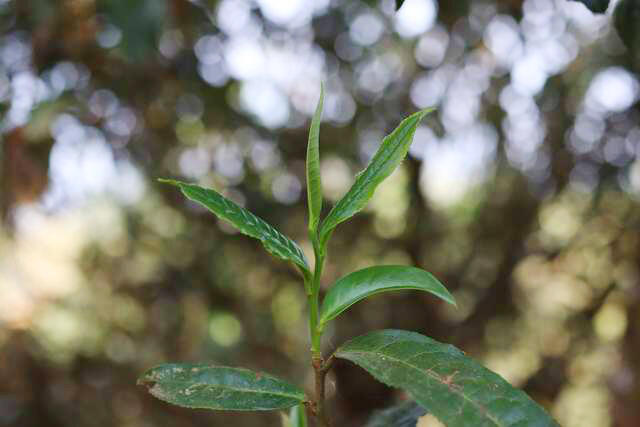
[{"x": 314, "y": 297}]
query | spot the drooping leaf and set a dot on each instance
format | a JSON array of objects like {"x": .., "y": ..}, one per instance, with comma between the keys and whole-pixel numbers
[
  {"x": 314, "y": 184},
  {"x": 374, "y": 280},
  {"x": 246, "y": 222},
  {"x": 405, "y": 414},
  {"x": 219, "y": 388},
  {"x": 392, "y": 151},
  {"x": 595, "y": 6},
  {"x": 457, "y": 390},
  {"x": 140, "y": 22},
  {"x": 297, "y": 417},
  {"x": 626, "y": 17}
]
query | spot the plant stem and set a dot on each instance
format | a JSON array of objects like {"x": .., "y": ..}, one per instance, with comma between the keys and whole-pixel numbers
[
  {"x": 319, "y": 366},
  {"x": 314, "y": 332}
]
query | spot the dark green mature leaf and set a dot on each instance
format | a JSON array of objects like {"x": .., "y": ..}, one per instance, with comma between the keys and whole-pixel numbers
[
  {"x": 314, "y": 184},
  {"x": 141, "y": 23},
  {"x": 626, "y": 17},
  {"x": 405, "y": 414},
  {"x": 298, "y": 416},
  {"x": 374, "y": 280},
  {"x": 392, "y": 151},
  {"x": 219, "y": 388},
  {"x": 595, "y": 6},
  {"x": 399, "y": 4},
  {"x": 457, "y": 390},
  {"x": 274, "y": 242}
]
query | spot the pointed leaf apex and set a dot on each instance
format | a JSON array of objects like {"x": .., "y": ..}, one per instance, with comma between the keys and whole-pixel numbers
[
  {"x": 169, "y": 181},
  {"x": 392, "y": 151},
  {"x": 314, "y": 182}
]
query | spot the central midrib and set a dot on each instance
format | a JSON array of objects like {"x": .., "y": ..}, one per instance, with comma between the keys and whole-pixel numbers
[
  {"x": 359, "y": 189},
  {"x": 276, "y": 236},
  {"x": 238, "y": 389},
  {"x": 437, "y": 378}
]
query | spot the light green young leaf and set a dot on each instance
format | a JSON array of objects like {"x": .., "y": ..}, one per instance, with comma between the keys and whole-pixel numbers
[
  {"x": 314, "y": 184},
  {"x": 297, "y": 417},
  {"x": 363, "y": 283},
  {"x": 392, "y": 151},
  {"x": 405, "y": 414},
  {"x": 246, "y": 222},
  {"x": 457, "y": 390},
  {"x": 219, "y": 388}
]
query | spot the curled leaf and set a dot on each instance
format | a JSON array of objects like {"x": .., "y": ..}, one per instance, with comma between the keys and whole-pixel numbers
[
  {"x": 314, "y": 184},
  {"x": 370, "y": 281}
]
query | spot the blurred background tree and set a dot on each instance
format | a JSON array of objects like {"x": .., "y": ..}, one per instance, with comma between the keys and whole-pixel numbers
[{"x": 521, "y": 193}]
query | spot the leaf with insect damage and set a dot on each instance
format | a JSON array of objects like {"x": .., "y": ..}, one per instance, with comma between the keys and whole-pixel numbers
[
  {"x": 219, "y": 388},
  {"x": 457, "y": 390}
]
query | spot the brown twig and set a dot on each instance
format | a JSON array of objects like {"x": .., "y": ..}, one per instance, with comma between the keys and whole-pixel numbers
[{"x": 321, "y": 368}]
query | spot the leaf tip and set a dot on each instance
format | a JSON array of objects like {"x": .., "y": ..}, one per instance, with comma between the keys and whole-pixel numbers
[
  {"x": 145, "y": 380},
  {"x": 169, "y": 181},
  {"x": 447, "y": 297},
  {"x": 424, "y": 112}
]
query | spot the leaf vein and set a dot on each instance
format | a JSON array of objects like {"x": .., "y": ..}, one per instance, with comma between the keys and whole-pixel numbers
[{"x": 439, "y": 379}]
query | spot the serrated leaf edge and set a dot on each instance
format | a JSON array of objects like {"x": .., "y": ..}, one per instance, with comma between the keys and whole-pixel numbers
[
  {"x": 252, "y": 220},
  {"x": 330, "y": 222}
]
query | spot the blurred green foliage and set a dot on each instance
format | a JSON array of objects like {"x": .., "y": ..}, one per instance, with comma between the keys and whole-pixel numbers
[{"x": 521, "y": 194}]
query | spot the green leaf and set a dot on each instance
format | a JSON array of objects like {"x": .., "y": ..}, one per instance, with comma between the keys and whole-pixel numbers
[
  {"x": 392, "y": 151},
  {"x": 399, "y": 4},
  {"x": 274, "y": 242},
  {"x": 297, "y": 417},
  {"x": 374, "y": 280},
  {"x": 626, "y": 17},
  {"x": 405, "y": 414},
  {"x": 457, "y": 390},
  {"x": 219, "y": 388},
  {"x": 314, "y": 184},
  {"x": 595, "y": 6}
]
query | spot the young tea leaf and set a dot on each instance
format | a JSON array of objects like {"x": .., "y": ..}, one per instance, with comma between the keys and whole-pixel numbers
[
  {"x": 457, "y": 390},
  {"x": 219, "y": 388},
  {"x": 297, "y": 417},
  {"x": 247, "y": 223},
  {"x": 405, "y": 414},
  {"x": 374, "y": 280},
  {"x": 392, "y": 151},
  {"x": 314, "y": 184}
]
